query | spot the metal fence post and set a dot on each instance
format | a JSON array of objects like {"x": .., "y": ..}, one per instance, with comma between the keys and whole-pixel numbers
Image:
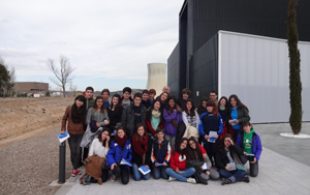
[{"x": 62, "y": 163}]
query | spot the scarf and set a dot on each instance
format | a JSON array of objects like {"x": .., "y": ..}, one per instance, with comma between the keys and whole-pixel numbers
[
  {"x": 155, "y": 119},
  {"x": 121, "y": 141}
]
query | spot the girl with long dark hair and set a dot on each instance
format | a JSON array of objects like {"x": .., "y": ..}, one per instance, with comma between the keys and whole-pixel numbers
[
  {"x": 191, "y": 120},
  {"x": 172, "y": 119},
  {"x": 115, "y": 111},
  {"x": 178, "y": 168},
  {"x": 238, "y": 113},
  {"x": 73, "y": 121}
]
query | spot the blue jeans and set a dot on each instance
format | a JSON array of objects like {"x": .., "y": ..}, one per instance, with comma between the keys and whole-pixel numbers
[
  {"x": 160, "y": 172},
  {"x": 181, "y": 175},
  {"x": 137, "y": 175},
  {"x": 234, "y": 176}
]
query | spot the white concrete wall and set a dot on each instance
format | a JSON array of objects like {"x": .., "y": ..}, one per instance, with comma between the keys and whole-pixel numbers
[{"x": 256, "y": 68}]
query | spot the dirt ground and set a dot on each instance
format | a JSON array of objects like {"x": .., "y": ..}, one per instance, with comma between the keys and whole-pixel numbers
[
  {"x": 28, "y": 144},
  {"x": 21, "y": 115}
]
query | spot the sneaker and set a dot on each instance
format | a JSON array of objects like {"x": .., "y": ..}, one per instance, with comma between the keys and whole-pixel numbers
[
  {"x": 171, "y": 179},
  {"x": 246, "y": 179},
  {"x": 191, "y": 180},
  {"x": 75, "y": 172},
  {"x": 226, "y": 181}
]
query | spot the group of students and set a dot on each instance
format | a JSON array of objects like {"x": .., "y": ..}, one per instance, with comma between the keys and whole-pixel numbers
[{"x": 164, "y": 137}]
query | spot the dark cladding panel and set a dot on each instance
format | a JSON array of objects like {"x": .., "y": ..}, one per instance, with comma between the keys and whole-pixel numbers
[
  {"x": 204, "y": 69},
  {"x": 174, "y": 70},
  {"x": 263, "y": 17}
]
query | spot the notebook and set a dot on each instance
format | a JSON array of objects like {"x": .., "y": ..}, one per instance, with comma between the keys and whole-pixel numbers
[
  {"x": 144, "y": 169},
  {"x": 212, "y": 136},
  {"x": 63, "y": 136}
]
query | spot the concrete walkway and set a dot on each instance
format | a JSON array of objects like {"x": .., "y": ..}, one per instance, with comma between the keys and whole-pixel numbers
[{"x": 278, "y": 175}]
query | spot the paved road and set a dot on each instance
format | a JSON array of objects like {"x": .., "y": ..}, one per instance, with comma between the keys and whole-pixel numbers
[
  {"x": 29, "y": 165},
  {"x": 298, "y": 149},
  {"x": 284, "y": 169},
  {"x": 277, "y": 175}
]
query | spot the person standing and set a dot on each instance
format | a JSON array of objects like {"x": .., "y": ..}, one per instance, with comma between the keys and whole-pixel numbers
[
  {"x": 172, "y": 118},
  {"x": 133, "y": 115},
  {"x": 126, "y": 97},
  {"x": 146, "y": 102},
  {"x": 115, "y": 112},
  {"x": 89, "y": 95},
  {"x": 238, "y": 113},
  {"x": 191, "y": 120},
  {"x": 73, "y": 121},
  {"x": 105, "y": 93},
  {"x": 213, "y": 96},
  {"x": 185, "y": 96},
  {"x": 152, "y": 95},
  {"x": 97, "y": 118},
  {"x": 210, "y": 130}
]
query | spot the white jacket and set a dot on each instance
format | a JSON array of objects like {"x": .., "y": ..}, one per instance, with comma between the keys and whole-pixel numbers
[{"x": 96, "y": 148}]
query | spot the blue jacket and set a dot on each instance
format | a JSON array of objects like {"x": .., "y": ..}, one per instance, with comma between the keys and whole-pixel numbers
[
  {"x": 256, "y": 144},
  {"x": 117, "y": 153},
  {"x": 202, "y": 129}
]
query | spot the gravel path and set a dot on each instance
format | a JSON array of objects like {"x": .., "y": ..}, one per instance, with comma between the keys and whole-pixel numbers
[{"x": 29, "y": 165}]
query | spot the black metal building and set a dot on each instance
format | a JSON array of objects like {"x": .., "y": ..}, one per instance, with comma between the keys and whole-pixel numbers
[{"x": 193, "y": 62}]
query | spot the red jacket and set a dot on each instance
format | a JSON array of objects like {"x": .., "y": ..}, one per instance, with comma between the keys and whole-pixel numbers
[
  {"x": 149, "y": 127},
  {"x": 177, "y": 161}
]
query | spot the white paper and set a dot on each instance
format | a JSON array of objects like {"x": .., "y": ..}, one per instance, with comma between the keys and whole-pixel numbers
[{"x": 204, "y": 166}]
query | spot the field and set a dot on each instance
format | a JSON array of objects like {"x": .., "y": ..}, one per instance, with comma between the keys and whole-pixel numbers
[{"x": 23, "y": 115}]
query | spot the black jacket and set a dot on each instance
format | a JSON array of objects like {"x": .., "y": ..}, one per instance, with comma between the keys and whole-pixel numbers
[
  {"x": 221, "y": 158},
  {"x": 128, "y": 118}
]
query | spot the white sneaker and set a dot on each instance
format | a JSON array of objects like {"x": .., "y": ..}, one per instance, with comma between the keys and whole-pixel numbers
[
  {"x": 191, "y": 180},
  {"x": 171, "y": 179}
]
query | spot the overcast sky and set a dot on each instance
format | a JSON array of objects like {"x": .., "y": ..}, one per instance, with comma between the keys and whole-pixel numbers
[{"x": 108, "y": 42}]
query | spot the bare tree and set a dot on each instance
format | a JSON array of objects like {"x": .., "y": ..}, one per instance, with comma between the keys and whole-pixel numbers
[{"x": 62, "y": 75}]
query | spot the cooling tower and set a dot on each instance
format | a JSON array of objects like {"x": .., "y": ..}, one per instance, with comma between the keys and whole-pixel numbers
[{"x": 157, "y": 76}]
